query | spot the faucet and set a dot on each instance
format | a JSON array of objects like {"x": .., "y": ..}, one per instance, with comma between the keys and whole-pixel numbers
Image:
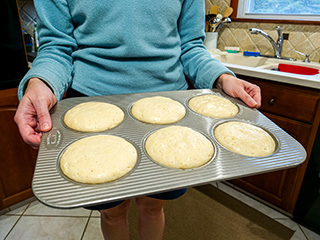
[
  {"x": 307, "y": 60},
  {"x": 277, "y": 46}
]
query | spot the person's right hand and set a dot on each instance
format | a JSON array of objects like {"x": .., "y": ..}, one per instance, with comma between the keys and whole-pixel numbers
[{"x": 32, "y": 116}]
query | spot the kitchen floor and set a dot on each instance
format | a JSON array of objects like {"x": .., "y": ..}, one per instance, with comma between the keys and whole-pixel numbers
[{"x": 36, "y": 221}]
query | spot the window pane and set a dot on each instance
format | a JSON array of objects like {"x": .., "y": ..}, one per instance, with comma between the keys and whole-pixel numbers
[{"x": 304, "y": 7}]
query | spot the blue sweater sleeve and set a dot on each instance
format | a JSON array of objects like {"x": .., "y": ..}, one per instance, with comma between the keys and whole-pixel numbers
[
  {"x": 54, "y": 62},
  {"x": 66, "y": 24},
  {"x": 198, "y": 64}
]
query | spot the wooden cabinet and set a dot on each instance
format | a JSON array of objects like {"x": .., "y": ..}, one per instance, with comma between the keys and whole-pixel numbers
[
  {"x": 292, "y": 102},
  {"x": 296, "y": 110},
  {"x": 17, "y": 160}
]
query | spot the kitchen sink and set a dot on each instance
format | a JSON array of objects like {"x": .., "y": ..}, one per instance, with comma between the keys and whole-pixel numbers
[
  {"x": 271, "y": 68},
  {"x": 294, "y": 67},
  {"x": 239, "y": 59}
]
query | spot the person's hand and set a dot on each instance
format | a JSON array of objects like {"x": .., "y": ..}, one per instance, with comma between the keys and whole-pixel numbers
[
  {"x": 249, "y": 93},
  {"x": 32, "y": 116}
]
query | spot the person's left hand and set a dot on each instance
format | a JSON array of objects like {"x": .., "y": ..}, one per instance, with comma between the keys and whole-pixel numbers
[{"x": 249, "y": 93}]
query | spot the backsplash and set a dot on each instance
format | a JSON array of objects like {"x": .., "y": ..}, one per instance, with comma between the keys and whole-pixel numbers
[{"x": 302, "y": 38}]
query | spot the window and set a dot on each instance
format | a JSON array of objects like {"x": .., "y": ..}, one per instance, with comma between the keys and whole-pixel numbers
[{"x": 304, "y": 10}]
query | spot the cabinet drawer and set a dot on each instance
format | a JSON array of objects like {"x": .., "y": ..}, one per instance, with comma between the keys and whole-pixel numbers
[{"x": 288, "y": 101}]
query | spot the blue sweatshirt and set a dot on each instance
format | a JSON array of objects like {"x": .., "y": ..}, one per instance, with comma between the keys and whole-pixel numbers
[{"x": 103, "y": 47}]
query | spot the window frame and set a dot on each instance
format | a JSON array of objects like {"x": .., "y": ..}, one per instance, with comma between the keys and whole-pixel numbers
[{"x": 235, "y": 3}]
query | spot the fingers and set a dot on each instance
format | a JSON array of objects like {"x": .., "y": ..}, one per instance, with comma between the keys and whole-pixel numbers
[
  {"x": 32, "y": 138},
  {"x": 247, "y": 99},
  {"x": 249, "y": 93},
  {"x": 257, "y": 98}
]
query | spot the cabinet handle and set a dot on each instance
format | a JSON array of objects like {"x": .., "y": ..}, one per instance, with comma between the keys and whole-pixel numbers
[{"x": 272, "y": 101}]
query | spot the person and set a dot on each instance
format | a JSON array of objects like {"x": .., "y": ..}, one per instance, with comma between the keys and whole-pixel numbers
[{"x": 117, "y": 47}]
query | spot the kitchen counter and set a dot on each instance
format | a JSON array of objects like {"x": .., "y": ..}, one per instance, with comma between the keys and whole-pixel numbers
[
  {"x": 278, "y": 90},
  {"x": 261, "y": 67}
]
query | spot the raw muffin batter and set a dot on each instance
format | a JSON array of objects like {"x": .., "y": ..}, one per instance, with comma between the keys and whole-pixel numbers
[
  {"x": 245, "y": 139},
  {"x": 158, "y": 110},
  {"x": 98, "y": 159},
  {"x": 93, "y": 117},
  {"x": 213, "y": 106},
  {"x": 179, "y": 147}
]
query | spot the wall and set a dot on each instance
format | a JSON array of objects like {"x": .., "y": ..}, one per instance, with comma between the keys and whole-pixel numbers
[{"x": 303, "y": 38}]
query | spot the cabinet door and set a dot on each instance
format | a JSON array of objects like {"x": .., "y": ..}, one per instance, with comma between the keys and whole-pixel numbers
[
  {"x": 278, "y": 187},
  {"x": 17, "y": 160}
]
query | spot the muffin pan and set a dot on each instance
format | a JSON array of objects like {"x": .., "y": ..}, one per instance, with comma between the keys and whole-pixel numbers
[{"x": 54, "y": 189}]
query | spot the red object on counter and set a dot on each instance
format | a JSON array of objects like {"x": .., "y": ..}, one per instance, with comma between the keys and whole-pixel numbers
[{"x": 297, "y": 69}]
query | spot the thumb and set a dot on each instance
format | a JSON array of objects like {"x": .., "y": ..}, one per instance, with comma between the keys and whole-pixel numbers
[
  {"x": 247, "y": 99},
  {"x": 43, "y": 116}
]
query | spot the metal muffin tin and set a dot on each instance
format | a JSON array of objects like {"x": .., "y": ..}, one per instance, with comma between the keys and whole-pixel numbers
[{"x": 54, "y": 189}]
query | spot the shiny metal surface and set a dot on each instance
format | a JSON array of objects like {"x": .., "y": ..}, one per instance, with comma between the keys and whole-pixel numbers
[{"x": 52, "y": 188}]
